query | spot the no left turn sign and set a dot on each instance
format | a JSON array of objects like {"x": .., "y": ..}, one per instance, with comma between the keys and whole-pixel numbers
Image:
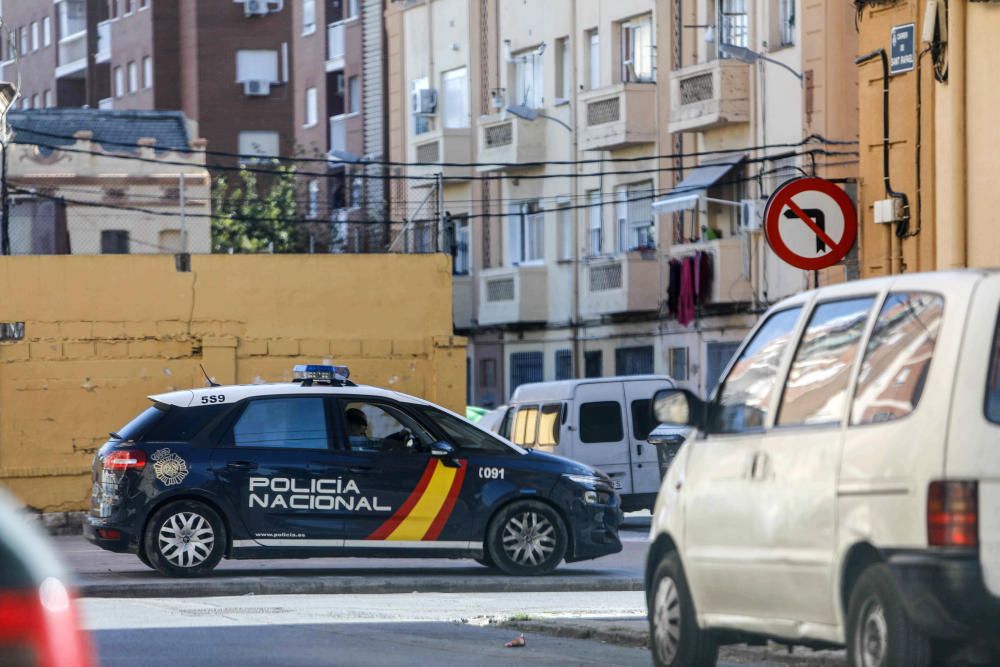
[{"x": 810, "y": 223}]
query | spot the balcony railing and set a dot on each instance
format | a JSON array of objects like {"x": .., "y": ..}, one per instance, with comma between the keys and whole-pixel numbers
[
  {"x": 709, "y": 95},
  {"x": 72, "y": 53},
  {"x": 514, "y": 294},
  {"x": 338, "y": 133},
  {"x": 448, "y": 145},
  {"x": 335, "y": 41},
  {"x": 731, "y": 279},
  {"x": 507, "y": 139},
  {"x": 621, "y": 284},
  {"x": 618, "y": 116},
  {"x": 103, "y": 54}
]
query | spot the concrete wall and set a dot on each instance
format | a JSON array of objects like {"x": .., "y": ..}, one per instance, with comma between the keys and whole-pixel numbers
[{"x": 102, "y": 333}]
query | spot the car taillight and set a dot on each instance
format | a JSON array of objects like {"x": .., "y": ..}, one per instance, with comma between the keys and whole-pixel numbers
[
  {"x": 38, "y": 628},
  {"x": 953, "y": 514},
  {"x": 121, "y": 460}
]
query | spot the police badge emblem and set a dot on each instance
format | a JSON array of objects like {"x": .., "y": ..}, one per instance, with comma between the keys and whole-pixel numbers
[{"x": 169, "y": 467}]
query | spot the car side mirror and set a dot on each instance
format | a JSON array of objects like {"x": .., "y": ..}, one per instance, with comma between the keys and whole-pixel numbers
[
  {"x": 678, "y": 408},
  {"x": 446, "y": 452}
]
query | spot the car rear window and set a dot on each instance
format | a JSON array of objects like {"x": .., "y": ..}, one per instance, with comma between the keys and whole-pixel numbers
[
  {"x": 142, "y": 422},
  {"x": 182, "y": 424}
]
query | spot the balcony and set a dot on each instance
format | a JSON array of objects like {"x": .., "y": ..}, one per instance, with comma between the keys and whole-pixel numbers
[
  {"x": 461, "y": 302},
  {"x": 72, "y": 54},
  {"x": 729, "y": 283},
  {"x": 335, "y": 46},
  {"x": 450, "y": 144},
  {"x": 625, "y": 283},
  {"x": 103, "y": 54},
  {"x": 513, "y": 294},
  {"x": 617, "y": 116},
  {"x": 507, "y": 139},
  {"x": 710, "y": 95},
  {"x": 338, "y": 133}
]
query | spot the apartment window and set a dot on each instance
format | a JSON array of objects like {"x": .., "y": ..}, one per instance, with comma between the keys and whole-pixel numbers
[
  {"x": 455, "y": 98},
  {"x": 634, "y": 360},
  {"x": 133, "y": 77},
  {"x": 529, "y": 79},
  {"x": 23, "y": 40},
  {"x": 421, "y": 123},
  {"x": 678, "y": 358},
  {"x": 258, "y": 143},
  {"x": 311, "y": 107},
  {"x": 114, "y": 242},
  {"x": 314, "y": 198},
  {"x": 34, "y": 101},
  {"x": 128, "y": 7},
  {"x": 119, "y": 82},
  {"x": 72, "y": 17},
  {"x": 113, "y": 9},
  {"x": 594, "y": 222},
  {"x": 143, "y": 4},
  {"x": 733, "y": 22},
  {"x": 594, "y": 59},
  {"x": 354, "y": 94},
  {"x": 487, "y": 372},
  {"x": 564, "y": 69},
  {"x": 564, "y": 364},
  {"x": 147, "y": 72},
  {"x": 786, "y": 22},
  {"x": 47, "y": 99},
  {"x": 353, "y": 9},
  {"x": 564, "y": 218},
  {"x": 46, "y": 31},
  {"x": 34, "y": 35},
  {"x": 526, "y": 237},
  {"x": 460, "y": 247},
  {"x": 593, "y": 364},
  {"x": 637, "y": 49},
  {"x": 634, "y": 208},
  {"x": 308, "y": 17},
  {"x": 526, "y": 367},
  {"x": 12, "y": 46},
  {"x": 253, "y": 65}
]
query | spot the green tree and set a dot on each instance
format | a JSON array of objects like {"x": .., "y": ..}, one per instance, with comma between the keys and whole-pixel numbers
[{"x": 256, "y": 212}]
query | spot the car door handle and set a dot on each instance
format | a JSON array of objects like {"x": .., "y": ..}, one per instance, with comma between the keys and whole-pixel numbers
[
  {"x": 758, "y": 466},
  {"x": 241, "y": 465}
]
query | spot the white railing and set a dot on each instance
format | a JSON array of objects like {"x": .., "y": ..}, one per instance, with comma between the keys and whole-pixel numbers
[
  {"x": 73, "y": 50},
  {"x": 103, "y": 42},
  {"x": 338, "y": 133},
  {"x": 335, "y": 41},
  {"x": 106, "y": 103}
]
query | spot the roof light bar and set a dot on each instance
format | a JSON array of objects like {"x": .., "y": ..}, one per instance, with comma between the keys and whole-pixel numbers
[{"x": 320, "y": 373}]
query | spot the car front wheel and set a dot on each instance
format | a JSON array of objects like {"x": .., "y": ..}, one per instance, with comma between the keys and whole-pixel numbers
[
  {"x": 185, "y": 539},
  {"x": 527, "y": 537},
  {"x": 879, "y": 633},
  {"x": 675, "y": 638}
]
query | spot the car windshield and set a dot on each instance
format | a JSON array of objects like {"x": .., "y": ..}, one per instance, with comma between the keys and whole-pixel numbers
[{"x": 462, "y": 434}]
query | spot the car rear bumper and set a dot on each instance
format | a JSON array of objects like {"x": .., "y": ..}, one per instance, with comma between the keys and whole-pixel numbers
[
  {"x": 945, "y": 594},
  {"x": 110, "y": 537}
]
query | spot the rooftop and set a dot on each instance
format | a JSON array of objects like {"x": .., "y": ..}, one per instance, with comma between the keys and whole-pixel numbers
[{"x": 117, "y": 131}]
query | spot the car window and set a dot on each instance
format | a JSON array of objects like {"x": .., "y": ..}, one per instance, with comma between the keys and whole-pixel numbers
[
  {"x": 549, "y": 422},
  {"x": 816, "y": 388},
  {"x": 183, "y": 424},
  {"x": 379, "y": 427},
  {"x": 642, "y": 419},
  {"x": 525, "y": 426},
  {"x": 601, "y": 422},
  {"x": 462, "y": 434},
  {"x": 294, "y": 423},
  {"x": 504, "y": 429},
  {"x": 745, "y": 396},
  {"x": 142, "y": 422},
  {"x": 898, "y": 357}
]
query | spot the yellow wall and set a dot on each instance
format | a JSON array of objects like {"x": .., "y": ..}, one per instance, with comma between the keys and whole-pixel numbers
[{"x": 103, "y": 332}]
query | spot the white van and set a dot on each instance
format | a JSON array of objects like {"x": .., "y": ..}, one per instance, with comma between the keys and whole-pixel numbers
[
  {"x": 602, "y": 422},
  {"x": 844, "y": 484}
]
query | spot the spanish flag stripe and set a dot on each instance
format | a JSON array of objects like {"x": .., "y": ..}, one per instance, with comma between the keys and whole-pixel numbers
[
  {"x": 419, "y": 520},
  {"x": 390, "y": 524},
  {"x": 449, "y": 504}
]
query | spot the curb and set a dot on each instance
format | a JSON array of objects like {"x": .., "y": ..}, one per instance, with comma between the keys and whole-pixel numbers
[
  {"x": 612, "y": 634},
  {"x": 159, "y": 587}
]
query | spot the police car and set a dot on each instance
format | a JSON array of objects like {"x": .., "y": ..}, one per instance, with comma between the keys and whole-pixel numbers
[{"x": 324, "y": 467}]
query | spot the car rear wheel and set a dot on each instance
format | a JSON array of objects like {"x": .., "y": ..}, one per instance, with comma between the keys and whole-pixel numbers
[
  {"x": 675, "y": 638},
  {"x": 185, "y": 539},
  {"x": 143, "y": 557},
  {"x": 526, "y": 537},
  {"x": 879, "y": 633}
]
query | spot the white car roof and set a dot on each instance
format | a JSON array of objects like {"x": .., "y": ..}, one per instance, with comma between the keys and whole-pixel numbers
[
  {"x": 562, "y": 390},
  {"x": 233, "y": 393}
]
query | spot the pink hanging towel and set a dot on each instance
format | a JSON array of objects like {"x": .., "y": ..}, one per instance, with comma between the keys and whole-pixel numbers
[{"x": 685, "y": 302}]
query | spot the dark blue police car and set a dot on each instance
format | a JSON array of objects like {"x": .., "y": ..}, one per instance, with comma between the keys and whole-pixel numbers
[{"x": 323, "y": 467}]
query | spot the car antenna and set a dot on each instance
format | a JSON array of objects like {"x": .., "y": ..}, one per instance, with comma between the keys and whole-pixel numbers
[{"x": 211, "y": 382}]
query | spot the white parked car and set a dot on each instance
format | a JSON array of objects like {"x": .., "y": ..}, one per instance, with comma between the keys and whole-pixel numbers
[
  {"x": 844, "y": 484},
  {"x": 603, "y": 422}
]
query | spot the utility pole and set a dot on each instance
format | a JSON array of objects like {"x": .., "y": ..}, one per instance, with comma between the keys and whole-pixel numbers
[
  {"x": 440, "y": 211},
  {"x": 184, "y": 233}
]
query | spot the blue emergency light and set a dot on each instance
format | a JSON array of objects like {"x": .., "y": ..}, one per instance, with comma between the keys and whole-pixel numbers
[{"x": 320, "y": 374}]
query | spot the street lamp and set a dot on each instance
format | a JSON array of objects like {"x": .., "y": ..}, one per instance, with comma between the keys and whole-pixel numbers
[
  {"x": 746, "y": 55},
  {"x": 529, "y": 114}
]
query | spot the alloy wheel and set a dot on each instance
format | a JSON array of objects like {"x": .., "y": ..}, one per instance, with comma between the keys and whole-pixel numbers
[
  {"x": 529, "y": 538},
  {"x": 667, "y": 620},
  {"x": 186, "y": 539}
]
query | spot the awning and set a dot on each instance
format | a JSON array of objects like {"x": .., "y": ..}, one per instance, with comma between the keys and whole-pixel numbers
[{"x": 685, "y": 195}]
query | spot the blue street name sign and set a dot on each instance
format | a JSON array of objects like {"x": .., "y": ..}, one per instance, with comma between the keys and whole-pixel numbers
[{"x": 902, "y": 40}]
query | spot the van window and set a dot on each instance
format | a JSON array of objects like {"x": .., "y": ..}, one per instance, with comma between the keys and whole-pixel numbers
[
  {"x": 816, "y": 389},
  {"x": 525, "y": 426},
  {"x": 897, "y": 358},
  {"x": 745, "y": 396},
  {"x": 548, "y": 425},
  {"x": 601, "y": 422},
  {"x": 642, "y": 419}
]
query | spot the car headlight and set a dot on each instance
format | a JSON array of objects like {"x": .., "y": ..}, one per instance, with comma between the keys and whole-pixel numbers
[{"x": 585, "y": 480}]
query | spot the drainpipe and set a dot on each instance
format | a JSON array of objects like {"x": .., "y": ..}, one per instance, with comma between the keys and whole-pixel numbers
[{"x": 956, "y": 172}]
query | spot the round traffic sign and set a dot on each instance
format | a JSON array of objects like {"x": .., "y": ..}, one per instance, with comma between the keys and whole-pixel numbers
[{"x": 810, "y": 223}]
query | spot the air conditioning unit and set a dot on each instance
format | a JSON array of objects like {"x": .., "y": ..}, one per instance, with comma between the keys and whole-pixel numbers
[
  {"x": 751, "y": 215},
  {"x": 255, "y": 7},
  {"x": 256, "y": 88},
  {"x": 424, "y": 101}
]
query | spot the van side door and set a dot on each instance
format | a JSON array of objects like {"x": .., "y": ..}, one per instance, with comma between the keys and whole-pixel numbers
[
  {"x": 600, "y": 435},
  {"x": 645, "y": 466}
]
